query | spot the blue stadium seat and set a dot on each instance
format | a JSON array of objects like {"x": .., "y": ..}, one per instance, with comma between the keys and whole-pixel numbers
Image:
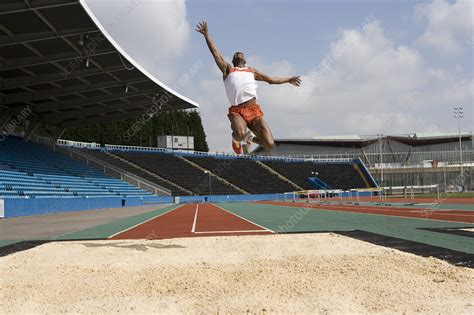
[{"x": 29, "y": 170}]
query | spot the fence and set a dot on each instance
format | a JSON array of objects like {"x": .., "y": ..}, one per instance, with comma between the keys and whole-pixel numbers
[{"x": 114, "y": 147}]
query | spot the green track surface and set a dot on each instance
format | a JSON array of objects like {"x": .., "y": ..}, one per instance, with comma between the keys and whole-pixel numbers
[
  {"x": 444, "y": 206},
  {"x": 109, "y": 229},
  {"x": 283, "y": 219},
  {"x": 8, "y": 242},
  {"x": 441, "y": 206}
]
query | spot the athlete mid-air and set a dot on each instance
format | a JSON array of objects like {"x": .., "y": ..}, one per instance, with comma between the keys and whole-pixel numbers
[{"x": 241, "y": 88}]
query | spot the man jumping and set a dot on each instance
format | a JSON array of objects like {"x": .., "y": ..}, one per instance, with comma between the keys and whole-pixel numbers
[{"x": 241, "y": 89}]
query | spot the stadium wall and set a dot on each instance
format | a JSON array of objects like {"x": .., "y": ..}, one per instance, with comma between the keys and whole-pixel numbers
[
  {"x": 19, "y": 207},
  {"x": 230, "y": 198}
]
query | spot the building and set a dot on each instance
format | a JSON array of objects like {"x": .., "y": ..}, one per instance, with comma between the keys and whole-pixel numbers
[{"x": 394, "y": 160}]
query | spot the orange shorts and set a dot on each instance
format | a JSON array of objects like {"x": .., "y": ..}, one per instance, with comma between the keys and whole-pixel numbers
[{"x": 249, "y": 112}]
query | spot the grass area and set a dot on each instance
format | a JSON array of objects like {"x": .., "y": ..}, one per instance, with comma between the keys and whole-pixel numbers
[{"x": 442, "y": 195}]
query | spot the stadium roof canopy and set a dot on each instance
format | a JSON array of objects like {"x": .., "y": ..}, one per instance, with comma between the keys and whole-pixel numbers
[
  {"x": 354, "y": 141},
  {"x": 57, "y": 61}
]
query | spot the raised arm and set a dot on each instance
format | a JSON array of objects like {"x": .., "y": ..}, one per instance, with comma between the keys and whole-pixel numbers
[
  {"x": 260, "y": 76},
  {"x": 220, "y": 61}
]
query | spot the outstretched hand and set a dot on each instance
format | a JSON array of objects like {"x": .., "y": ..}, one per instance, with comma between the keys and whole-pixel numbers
[
  {"x": 202, "y": 27},
  {"x": 296, "y": 81}
]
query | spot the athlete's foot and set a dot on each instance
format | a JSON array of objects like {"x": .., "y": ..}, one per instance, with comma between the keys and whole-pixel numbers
[
  {"x": 237, "y": 147},
  {"x": 246, "y": 147}
]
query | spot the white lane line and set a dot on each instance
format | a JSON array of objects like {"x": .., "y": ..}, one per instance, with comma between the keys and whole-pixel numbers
[
  {"x": 241, "y": 231},
  {"x": 383, "y": 215},
  {"x": 193, "y": 230},
  {"x": 238, "y": 216},
  {"x": 145, "y": 221}
]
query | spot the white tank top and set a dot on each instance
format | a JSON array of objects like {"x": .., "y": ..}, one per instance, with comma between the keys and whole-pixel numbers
[{"x": 240, "y": 85}]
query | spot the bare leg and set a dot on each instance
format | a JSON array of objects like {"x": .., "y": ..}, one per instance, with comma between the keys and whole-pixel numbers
[
  {"x": 238, "y": 126},
  {"x": 263, "y": 134}
]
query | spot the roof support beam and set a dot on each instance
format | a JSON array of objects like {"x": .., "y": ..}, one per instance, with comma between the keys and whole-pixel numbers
[
  {"x": 31, "y": 80},
  {"x": 58, "y": 134},
  {"x": 8, "y": 8},
  {"x": 5, "y": 119},
  {"x": 81, "y": 113},
  {"x": 34, "y": 124},
  {"x": 32, "y": 37},
  {"x": 116, "y": 117},
  {"x": 35, "y": 96},
  {"x": 67, "y": 105},
  {"x": 33, "y": 61}
]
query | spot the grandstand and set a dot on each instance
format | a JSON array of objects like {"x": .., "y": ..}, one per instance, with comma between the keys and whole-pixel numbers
[
  {"x": 124, "y": 165},
  {"x": 29, "y": 170},
  {"x": 85, "y": 170},
  {"x": 176, "y": 169},
  {"x": 60, "y": 68},
  {"x": 397, "y": 160},
  {"x": 189, "y": 172}
]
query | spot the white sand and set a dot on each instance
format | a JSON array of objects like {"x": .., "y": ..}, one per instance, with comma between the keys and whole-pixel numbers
[{"x": 311, "y": 273}]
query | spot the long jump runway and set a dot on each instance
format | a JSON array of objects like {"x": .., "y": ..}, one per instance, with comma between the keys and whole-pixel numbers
[{"x": 190, "y": 221}]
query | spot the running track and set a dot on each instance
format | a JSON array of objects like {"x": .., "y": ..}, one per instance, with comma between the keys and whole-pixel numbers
[
  {"x": 444, "y": 215},
  {"x": 192, "y": 220}
]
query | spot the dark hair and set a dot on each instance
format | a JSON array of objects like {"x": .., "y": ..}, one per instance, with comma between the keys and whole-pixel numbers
[{"x": 233, "y": 58}]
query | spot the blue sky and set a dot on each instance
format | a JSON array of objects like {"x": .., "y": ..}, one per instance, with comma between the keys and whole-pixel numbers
[
  {"x": 299, "y": 31},
  {"x": 401, "y": 73}
]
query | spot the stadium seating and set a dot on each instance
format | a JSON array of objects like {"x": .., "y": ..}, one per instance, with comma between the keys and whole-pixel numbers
[
  {"x": 30, "y": 170},
  {"x": 113, "y": 160},
  {"x": 33, "y": 171},
  {"x": 177, "y": 170},
  {"x": 337, "y": 175},
  {"x": 246, "y": 174}
]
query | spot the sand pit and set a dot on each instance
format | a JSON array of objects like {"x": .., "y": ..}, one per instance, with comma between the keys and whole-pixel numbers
[{"x": 306, "y": 273}]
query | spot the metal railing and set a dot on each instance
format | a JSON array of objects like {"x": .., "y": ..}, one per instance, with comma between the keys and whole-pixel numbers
[
  {"x": 397, "y": 159},
  {"x": 114, "y": 147},
  {"x": 392, "y": 158}
]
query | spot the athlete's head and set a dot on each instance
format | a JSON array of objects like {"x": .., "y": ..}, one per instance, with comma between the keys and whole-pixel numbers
[{"x": 238, "y": 59}]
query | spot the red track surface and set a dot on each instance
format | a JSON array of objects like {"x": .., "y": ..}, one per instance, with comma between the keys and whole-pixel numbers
[
  {"x": 180, "y": 222},
  {"x": 465, "y": 201},
  {"x": 445, "y": 215}
]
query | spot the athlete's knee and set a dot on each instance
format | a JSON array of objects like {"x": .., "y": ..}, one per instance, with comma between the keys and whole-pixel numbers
[
  {"x": 239, "y": 135},
  {"x": 269, "y": 144}
]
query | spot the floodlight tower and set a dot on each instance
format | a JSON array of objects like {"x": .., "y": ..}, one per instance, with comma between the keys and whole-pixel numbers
[
  {"x": 459, "y": 114},
  {"x": 209, "y": 177}
]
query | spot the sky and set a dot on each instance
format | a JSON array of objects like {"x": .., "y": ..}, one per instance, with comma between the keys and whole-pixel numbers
[{"x": 367, "y": 66}]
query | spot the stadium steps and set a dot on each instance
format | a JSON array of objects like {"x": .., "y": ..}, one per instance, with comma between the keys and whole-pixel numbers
[
  {"x": 357, "y": 168},
  {"x": 245, "y": 173},
  {"x": 39, "y": 171},
  {"x": 271, "y": 170},
  {"x": 109, "y": 160},
  {"x": 337, "y": 175},
  {"x": 174, "y": 169},
  {"x": 172, "y": 184},
  {"x": 217, "y": 177}
]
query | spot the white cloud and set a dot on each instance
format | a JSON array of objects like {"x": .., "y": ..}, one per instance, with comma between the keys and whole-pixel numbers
[
  {"x": 450, "y": 25},
  {"x": 153, "y": 33},
  {"x": 367, "y": 85},
  {"x": 372, "y": 86}
]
